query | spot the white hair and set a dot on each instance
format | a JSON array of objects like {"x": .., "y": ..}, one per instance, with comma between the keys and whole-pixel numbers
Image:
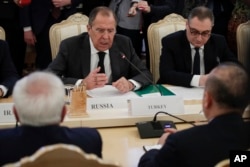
[{"x": 39, "y": 99}]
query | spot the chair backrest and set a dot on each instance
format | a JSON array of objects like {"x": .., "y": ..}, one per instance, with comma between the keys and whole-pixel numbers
[
  {"x": 61, "y": 155},
  {"x": 243, "y": 43},
  {"x": 2, "y": 33},
  {"x": 73, "y": 25},
  {"x": 156, "y": 31},
  {"x": 223, "y": 163}
]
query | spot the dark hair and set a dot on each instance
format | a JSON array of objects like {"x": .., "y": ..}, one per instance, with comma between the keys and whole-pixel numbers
[
  {"x": 104, "y": 11},
  {"x": 229, "y": 86},
  {"x": 202, "y": 13}
]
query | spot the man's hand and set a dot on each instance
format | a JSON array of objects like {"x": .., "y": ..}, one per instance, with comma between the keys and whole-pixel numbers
[
  {"x": 95, "y": 79},
  {"x": 61, "y": 3},
  {"x": 29, "y": 38},
  {"x": 132, "y": 11},
  {"x": 123, "y": 85},
  {"x": 144, "y": 7},
  {"x": 165, "y": 135}
]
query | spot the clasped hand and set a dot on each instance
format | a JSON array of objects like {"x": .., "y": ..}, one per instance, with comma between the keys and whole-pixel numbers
[
  {"x": 165, "y": 135},
  {"x": 98, "y": 80}
]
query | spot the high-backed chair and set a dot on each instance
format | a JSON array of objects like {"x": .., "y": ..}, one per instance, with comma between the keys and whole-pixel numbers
[
  {"x": 243, "y": 43},
  {"x": 61, "y": 155},
  {"x": 156, "y": 31},
  {"x": 73, "y": 25},
  {"x": 2, "y": 33}
]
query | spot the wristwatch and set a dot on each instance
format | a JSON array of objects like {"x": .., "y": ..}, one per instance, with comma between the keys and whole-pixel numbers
[{"x": 133, "y": 88}]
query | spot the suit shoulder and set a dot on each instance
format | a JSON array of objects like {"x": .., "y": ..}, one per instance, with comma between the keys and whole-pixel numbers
[
  {"x": 76, "y": 38},
  {"x": 176, "y": 35},
  {"x": 217, "y": 38},
  {"x": 9, "y": 133},
  {"x": 84, "y": 130},
  {"x": 193, "y": 130},
  {"x": 120, "y": 37}
]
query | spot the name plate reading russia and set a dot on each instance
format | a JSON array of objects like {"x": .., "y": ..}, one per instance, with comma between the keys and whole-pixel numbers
[
  {"x": 6, "y": 113},
  {"x": 152, "y": 105},
  {"x": 106, "y": 104}
]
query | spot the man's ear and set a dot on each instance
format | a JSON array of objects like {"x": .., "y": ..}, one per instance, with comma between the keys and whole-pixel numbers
[
  {"x": 88, "y": 27},
  {"x": 207, "y": 100},
  {"x": 64, "y": 112},
  {"x": 15, "y": 113}
]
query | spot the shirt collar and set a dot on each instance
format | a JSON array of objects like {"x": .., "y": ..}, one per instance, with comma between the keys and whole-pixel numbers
[{"x": 192, "y": 46}]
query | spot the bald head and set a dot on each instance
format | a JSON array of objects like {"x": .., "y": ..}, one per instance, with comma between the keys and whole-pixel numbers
[{"x": 229, "y": 85}]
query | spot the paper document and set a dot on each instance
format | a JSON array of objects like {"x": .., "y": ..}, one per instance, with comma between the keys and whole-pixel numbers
[
  {"x": 109, "y": 91},
  {"x": 157, "y": 146},
  {"x": 153, "y": 91},
  {"x": 187, "y": 93}
]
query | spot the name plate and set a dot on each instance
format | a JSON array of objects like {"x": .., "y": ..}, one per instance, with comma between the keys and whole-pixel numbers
[
  {"x": 106, "y": 103},
  {"x": 152, "y": 105},
  {"x": 6, "y": 113}
]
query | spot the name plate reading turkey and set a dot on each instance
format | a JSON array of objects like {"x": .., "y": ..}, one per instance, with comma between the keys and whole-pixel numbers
[
  {"x": 6, "y": 113},
  {"x": 152, "y": 105},
  {"x": 106, "y": 103}
]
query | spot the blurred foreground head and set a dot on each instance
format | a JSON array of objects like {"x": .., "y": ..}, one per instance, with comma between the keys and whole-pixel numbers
[
  {"x": 39, "y": 99},
  {"x": 226, "y": 90}
]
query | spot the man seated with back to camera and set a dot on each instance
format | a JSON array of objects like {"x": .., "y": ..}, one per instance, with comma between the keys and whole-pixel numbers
[
  {"x": 39, "y": 106},
  {"x": 8, "y": 73},
  {"x": 77, "y": 59},
  {"x": 226, "y": 95},
  {"x": 189, "y": 55}
]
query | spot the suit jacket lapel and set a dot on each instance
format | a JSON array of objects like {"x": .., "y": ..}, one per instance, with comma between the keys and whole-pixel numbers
[
  {"x": 209, "y": 55},
  {"x": 85, "y": 55},
  {"x": 115, "y": 61},
  {"x": 187, "y": 53}
]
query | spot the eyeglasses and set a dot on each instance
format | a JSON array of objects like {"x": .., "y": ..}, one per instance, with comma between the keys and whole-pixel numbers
[
  {"x": 196, "y": 33},
  {"x": 102, "y": 31}
]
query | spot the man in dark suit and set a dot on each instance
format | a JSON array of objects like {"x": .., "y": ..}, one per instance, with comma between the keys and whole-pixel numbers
[
  {"x": 223, "y": 103},
  {"x": 39, "y": 106},
  {"x": 9, "y": 20},
  {"x": 36, "y": 20},
  {"x": 8, "y": 73},
  {"x": 194, "y": 48},
  {"x": 78, "y": 61},
  {"x": 154, "y": 10}
]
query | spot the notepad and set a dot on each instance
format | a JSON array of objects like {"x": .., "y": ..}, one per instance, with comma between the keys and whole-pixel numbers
[{"x": 152, "y": 89}]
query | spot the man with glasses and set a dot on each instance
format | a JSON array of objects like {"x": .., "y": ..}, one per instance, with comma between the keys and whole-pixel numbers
[
  {"x": 100, "y": 57},
  {"x": 189, "y": 55}
]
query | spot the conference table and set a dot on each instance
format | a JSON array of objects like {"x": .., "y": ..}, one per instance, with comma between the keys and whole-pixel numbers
[
  {"x": 121, "y": 140},
  {"x": 124, "y": 145}
]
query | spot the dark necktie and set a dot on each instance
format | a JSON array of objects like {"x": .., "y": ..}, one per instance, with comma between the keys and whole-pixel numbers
[
  {"x": 101, "y": 61},
  {"x": 196, "y": 65}
]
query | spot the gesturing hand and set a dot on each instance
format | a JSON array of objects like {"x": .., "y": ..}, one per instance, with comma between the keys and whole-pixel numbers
[{"x": 95, "y": 79}]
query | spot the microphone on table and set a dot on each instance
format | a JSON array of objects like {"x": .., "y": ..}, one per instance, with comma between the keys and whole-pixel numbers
[
  {"x": 154, "y": 128},
  {"x": 163, "y": 112},
  {"x": 145, "y": 76}
]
